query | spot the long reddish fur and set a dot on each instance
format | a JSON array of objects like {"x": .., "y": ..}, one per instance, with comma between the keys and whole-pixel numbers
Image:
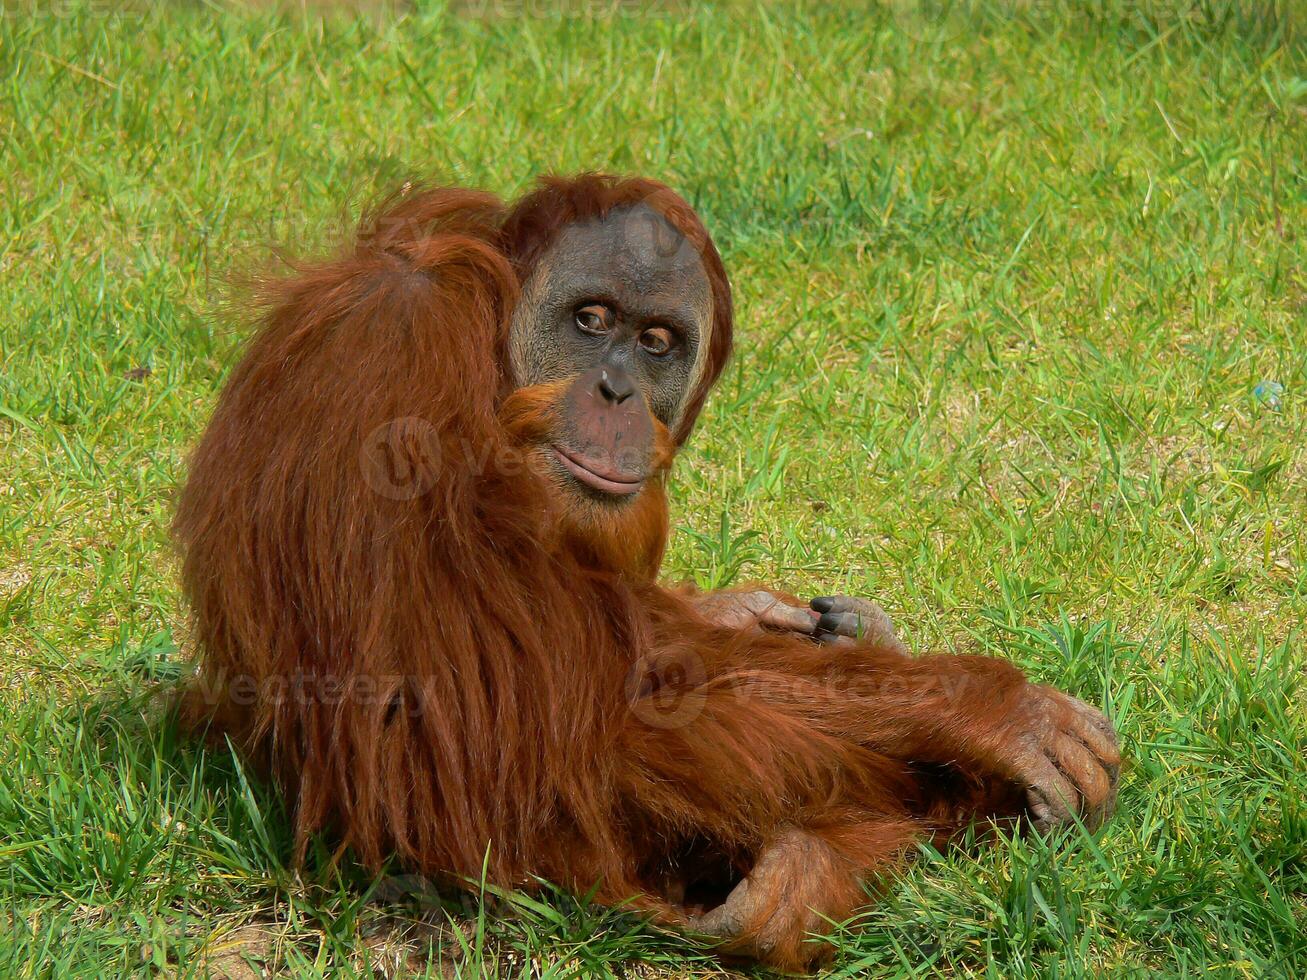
[{"x": 501, "y": 655}]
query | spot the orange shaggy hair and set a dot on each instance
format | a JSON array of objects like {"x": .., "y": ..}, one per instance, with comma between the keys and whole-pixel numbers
[{"x": 465, "y": 669}]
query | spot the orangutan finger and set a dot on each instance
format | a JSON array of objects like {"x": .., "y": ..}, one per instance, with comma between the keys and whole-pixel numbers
[
  {"x": 1091, "y": 780},
  {"x": 1051, "y": 796},
  {"x": 853, "y": 616},
  {"x": 781, "y": 615},
  {"x": 1092, "y": 727}
]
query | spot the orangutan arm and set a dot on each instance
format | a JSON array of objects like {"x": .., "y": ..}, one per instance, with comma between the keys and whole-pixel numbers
[{"x": 805, "y": 757}]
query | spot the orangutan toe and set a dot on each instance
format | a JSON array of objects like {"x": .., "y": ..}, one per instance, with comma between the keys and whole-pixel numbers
[{"x": 775, "y": 913}]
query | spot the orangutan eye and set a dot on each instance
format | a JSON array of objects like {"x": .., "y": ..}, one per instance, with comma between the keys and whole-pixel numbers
[
  {"x": 658, "y": 341},
  {"x": 592, "y": 319}
]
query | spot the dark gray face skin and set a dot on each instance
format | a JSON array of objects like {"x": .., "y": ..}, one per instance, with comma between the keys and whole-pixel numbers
[{"x": 628, "y": 294}]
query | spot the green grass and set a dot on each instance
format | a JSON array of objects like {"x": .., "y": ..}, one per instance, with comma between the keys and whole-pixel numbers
[{"x": 1008, "y": 274}]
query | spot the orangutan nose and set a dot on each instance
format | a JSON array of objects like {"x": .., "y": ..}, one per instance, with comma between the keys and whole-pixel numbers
[{"x": 615, "y": 385}]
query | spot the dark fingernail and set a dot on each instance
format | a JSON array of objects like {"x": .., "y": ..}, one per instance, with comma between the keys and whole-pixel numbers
[
  {"x": 823, "y": 603},
  {"x": 829, "y": 621}
]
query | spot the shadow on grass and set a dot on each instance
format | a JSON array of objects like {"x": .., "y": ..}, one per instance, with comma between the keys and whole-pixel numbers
[{"x": 127, "y": 845}]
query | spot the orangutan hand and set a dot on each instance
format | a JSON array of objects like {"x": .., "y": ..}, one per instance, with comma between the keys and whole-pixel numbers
[
  {"x": 1065, "y": 754},
  {"x": 844, "y": 618},
  {"x": 836, "y": 619}
]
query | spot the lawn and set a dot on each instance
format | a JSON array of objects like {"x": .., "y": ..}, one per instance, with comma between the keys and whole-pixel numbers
[{"x": 1022, "y": 354}]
